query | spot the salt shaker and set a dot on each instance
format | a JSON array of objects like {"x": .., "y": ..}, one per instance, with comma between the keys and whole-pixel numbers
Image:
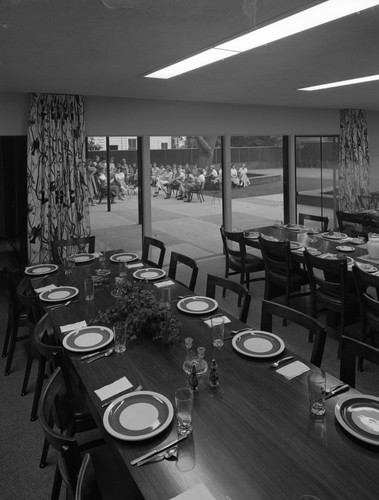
[{"x": 193, "y": 382}]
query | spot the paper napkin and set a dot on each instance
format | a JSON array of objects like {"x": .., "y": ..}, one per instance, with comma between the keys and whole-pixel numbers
[
  {"x": 139, "y": 264},
  {"x": 200, "y": 491},
  {"x": 293, "y": 370},
  {"x": 209, "y": 322},
  {"x": 73, "y": 326},
  {"x": 113, "y": 389},
  {"x": 45, "y": 288},
  {"x": 164, "y": 283}
]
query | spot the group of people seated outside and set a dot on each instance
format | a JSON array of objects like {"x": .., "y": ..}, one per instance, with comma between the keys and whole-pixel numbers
[{"x": 183, "y": 180}]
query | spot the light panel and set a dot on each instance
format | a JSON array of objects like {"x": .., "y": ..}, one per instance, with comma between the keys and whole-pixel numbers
[
  {"x": 323, "y": 13},
  {"x": 342, "y": 83}
]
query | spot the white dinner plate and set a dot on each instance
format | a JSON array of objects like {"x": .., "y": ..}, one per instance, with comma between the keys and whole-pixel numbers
[
  {"x": 367, "y": 268},
  {"x": 359, "y": 416},
  {"x": 251, "y": 235},
  {"x": 82, "y": 258},
  {"x": 345, "y": 248},
  {"x": 295, "y": 245},
  {"x": 59, "y": 293},
  {"x": 149, "y": 273},
  {"x": 138, "y": 415},
  {"x": 333, "y": 256},
  {"x": 40, "y": 269},
  {"x": 334, "y": 236},
  {"x": 313, "y": 251},
  {"x": 258, "y": 344},
  {"x": 89, "y": 338},
  {"x": 124, "y": 256},
  {"x": 197, "y": 305},
  {"x": 294, "y": 227}
]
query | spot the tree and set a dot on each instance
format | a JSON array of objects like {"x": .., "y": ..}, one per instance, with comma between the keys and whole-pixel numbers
[
  {"x": 92, "y": 146},
  {"x": 206, "y": 145}
]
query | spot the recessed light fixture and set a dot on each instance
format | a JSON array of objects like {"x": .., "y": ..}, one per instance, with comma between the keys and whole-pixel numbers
[
  {"x": 322, "y": 13},
  {"x": 342, "y": 83}
]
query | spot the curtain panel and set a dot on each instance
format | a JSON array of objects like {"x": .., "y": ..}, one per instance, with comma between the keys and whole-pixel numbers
[
  {"x": 354, "y": 165},
  {"x": 57, "y": 180}
]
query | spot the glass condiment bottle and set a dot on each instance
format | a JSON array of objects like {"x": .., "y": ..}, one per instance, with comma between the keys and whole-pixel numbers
[
  {"x": 188, "y": 360},
  {"x": 201, "y": 364},
  {"x": 213, "y": 375},
  {"x": 193, "y": 382}
]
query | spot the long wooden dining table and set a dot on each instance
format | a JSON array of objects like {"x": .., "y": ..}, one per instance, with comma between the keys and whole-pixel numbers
[{"x": 253, "y": 436}]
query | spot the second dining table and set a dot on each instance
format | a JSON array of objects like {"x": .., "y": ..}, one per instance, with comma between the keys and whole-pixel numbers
[{"x": 253, "y": 435}]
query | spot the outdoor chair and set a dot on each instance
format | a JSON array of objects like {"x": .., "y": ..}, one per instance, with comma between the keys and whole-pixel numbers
[
  {"x": 178, "y": 258},
  {"x": 198, "y": 190},
  {"x": 324, "y": 221},
  {"x": 282, "y": 276},
  {"x": 237, "y": 260},
  {"x": 244, "y": 297},
  {"x": 316, "y": 331},
  {"x": 331, "y": 289},
  {"x": 367, "y": 286},
  {"x": 351, "y": 349},
  {"x": 62, "y": 248},
  {"x": 149, "y": 246}
]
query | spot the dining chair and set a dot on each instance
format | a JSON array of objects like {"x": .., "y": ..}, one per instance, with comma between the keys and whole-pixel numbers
[
  {"x": 353, "y": 224},
  {"x": 149, "y": 246},
  {"x": 178, "y": 258},
  {"x": 351, "y": 349},
  {"x": 282, "y": 276},
  {"x": 316, "y": 331},
  {"x": 61, "y": 248},
  {"x": 237, "y": 259},
  {"x": 198, "y": 190},
  {"x": 366, "y": 201},
  {"x": 244, "y": 297},
  {"x": 87, "y": 487},
  {"x": 324, "y": 221},
  {"x": 17, "y": 316},
  {"x": 367, "y": 286},
  {"x": 332, "y": 290}
]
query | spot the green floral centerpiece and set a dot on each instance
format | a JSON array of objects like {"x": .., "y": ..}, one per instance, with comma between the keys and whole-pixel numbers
[{"x": 143, "y": 311}]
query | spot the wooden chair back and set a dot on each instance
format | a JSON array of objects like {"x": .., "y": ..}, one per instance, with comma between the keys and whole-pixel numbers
[
  {"x": 351, "y": 349},
  {"x": 324, "y": 221},
  {"x": 244, "y": 297},
  {"x": 62, "y": 248},
  {"x": 87, "y": 487},
  {"x": 148, "y": 245},
  {"x": 178, "y": 258}
]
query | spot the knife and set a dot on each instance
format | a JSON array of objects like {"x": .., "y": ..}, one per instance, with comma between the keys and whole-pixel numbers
[
  {"x": 337, "y": 390},
  {"x": 158, "y": 450}
]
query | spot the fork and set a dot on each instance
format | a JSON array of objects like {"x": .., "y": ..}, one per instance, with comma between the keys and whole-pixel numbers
[
  {"x": 280, "y": 361},
  {"x": 62, "y": 305},
  {"x": 169, "y": 454}
]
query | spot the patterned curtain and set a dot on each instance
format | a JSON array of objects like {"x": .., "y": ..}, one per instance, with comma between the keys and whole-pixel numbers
[
  {"x": 354, "y": 168},
  {"x": 57, "y": 188}
]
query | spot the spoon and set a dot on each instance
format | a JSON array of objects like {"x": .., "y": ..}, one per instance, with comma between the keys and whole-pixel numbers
[
  {"x": 102, "y": 355},
  {"x": 277, "y": 363},
  {"x": 170, "y": 454}
]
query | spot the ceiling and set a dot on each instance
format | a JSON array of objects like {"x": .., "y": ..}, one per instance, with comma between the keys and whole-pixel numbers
[{"x": 83, "y": 47}]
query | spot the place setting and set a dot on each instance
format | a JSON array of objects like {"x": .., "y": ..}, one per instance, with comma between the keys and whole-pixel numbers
[
  {"x": 53, "y": 293},
  {"x": 83, "y": 258},
  {"x": 197, "y": 305},
  {"x": 334, "y": 236},
  {"x": 149, "y": 274},
  {"x": 123, "y": 256},
  {"x": 41, "y": 269},
  {"x": 358, "y": 415},
  {"x": 87, "y": 339},
  {"x": 258, "y": 344}
]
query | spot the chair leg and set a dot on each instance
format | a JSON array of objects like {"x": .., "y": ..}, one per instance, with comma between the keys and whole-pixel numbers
[
  {"x": 56, "y": 484},
  {"x": 11, "y": 347},
  {"x": 45, "y": 450},
  {"x": 38, "y": 389},
  {"x": 7, "y": 336},
  {"x": 27, "y": 371}
]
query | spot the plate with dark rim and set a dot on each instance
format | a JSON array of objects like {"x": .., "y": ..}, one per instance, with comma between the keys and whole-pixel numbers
[
  {"x": 124, "y": 256},
  {"x": 294, "y": 227},
  {"x": 149, "y": 273},
  {"x": 83, "y": 258},
  {"x": 334, "y": 236},
  {"x": 89, "y": 338},
  {"x": 295, "y": 245},
  {"x": 334, "y": 256},
  {"x": 313, "y": 251},
  {"x": 40, "y": 269},
  {"x": 197, "y": 305},
  {"x": 359, "y": 416},
  {"x": 367, "y": 268},
  {"x": 345, "y": 248},
  {"x": 59, "y": 293},
  {"x": 138, "y": 415},
  {"x": 251, "y": 235},
  {"x": 258, "y": 344}
]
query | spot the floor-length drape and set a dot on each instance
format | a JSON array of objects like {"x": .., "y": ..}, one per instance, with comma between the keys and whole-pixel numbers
[
  {"x": 57, "y": 189},
  {"x": 354, "y": 168}
]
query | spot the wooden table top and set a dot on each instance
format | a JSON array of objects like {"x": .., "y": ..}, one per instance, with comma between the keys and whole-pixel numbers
[{"x": 253, "y": 436}]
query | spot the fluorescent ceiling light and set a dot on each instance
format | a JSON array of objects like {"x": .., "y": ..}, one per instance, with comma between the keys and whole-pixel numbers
[
  {"x": 322, "y": 13},
  {"x": 353, "y": 81},
  {"x": 197, "y": 61}
]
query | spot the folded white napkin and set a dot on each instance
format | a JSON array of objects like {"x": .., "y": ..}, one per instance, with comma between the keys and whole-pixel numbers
[
  {"x": 293, "y": 370},
  {"x": 113, "y": 389},
  {"x": 209, "y": 321},
  {"x": 45, "y": 288},
  {"x": 200, "y": 491},
  {"x": 96, "y": 254},
  {"x": 139, "y": 264},
  {"x": 164, "y": 283},
  {"x": 73, "y": 326}
]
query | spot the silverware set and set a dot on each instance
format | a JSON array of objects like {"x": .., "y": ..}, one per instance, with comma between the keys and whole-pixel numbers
[
  {"x": 63, "y": 305},
  {"x": 103, "y": 354}
]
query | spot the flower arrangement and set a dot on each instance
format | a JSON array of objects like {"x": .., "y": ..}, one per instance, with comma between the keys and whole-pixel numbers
[{"x": 143, "y": 311}]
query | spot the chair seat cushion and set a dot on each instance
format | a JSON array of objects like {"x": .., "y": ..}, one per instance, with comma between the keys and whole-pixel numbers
[
  {"x": 298, "y": 279},
  {"x": 252, "y": 263},
  {"x": 334, "y": 302}
]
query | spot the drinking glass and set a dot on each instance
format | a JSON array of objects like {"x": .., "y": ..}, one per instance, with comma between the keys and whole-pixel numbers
[
  {"x": 89, "y": 289},
  {"x": 217, "y": 325},
  {"x": 123, "y": 268},
  {"x": 68, "y": 264},
  {"x": 316, "y": 391},
  {"x": 183, "y": 406},
  {"x": 120, "y": 331}
]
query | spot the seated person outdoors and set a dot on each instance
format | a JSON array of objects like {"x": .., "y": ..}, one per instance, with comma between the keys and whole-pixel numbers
[
  {"x": 155, "y": 171},
  {"x": 163, "y": 179},
  {"x": 101, "y": 180},
  {"x": 189, "y": 180},
  {"x": 176, "y": 181},
  {"x": 193, "y": 187},
  {"x": 120, "y": 180},
  {"x": 242, "y": 175},
  {"x": 234, "y": 176}
]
